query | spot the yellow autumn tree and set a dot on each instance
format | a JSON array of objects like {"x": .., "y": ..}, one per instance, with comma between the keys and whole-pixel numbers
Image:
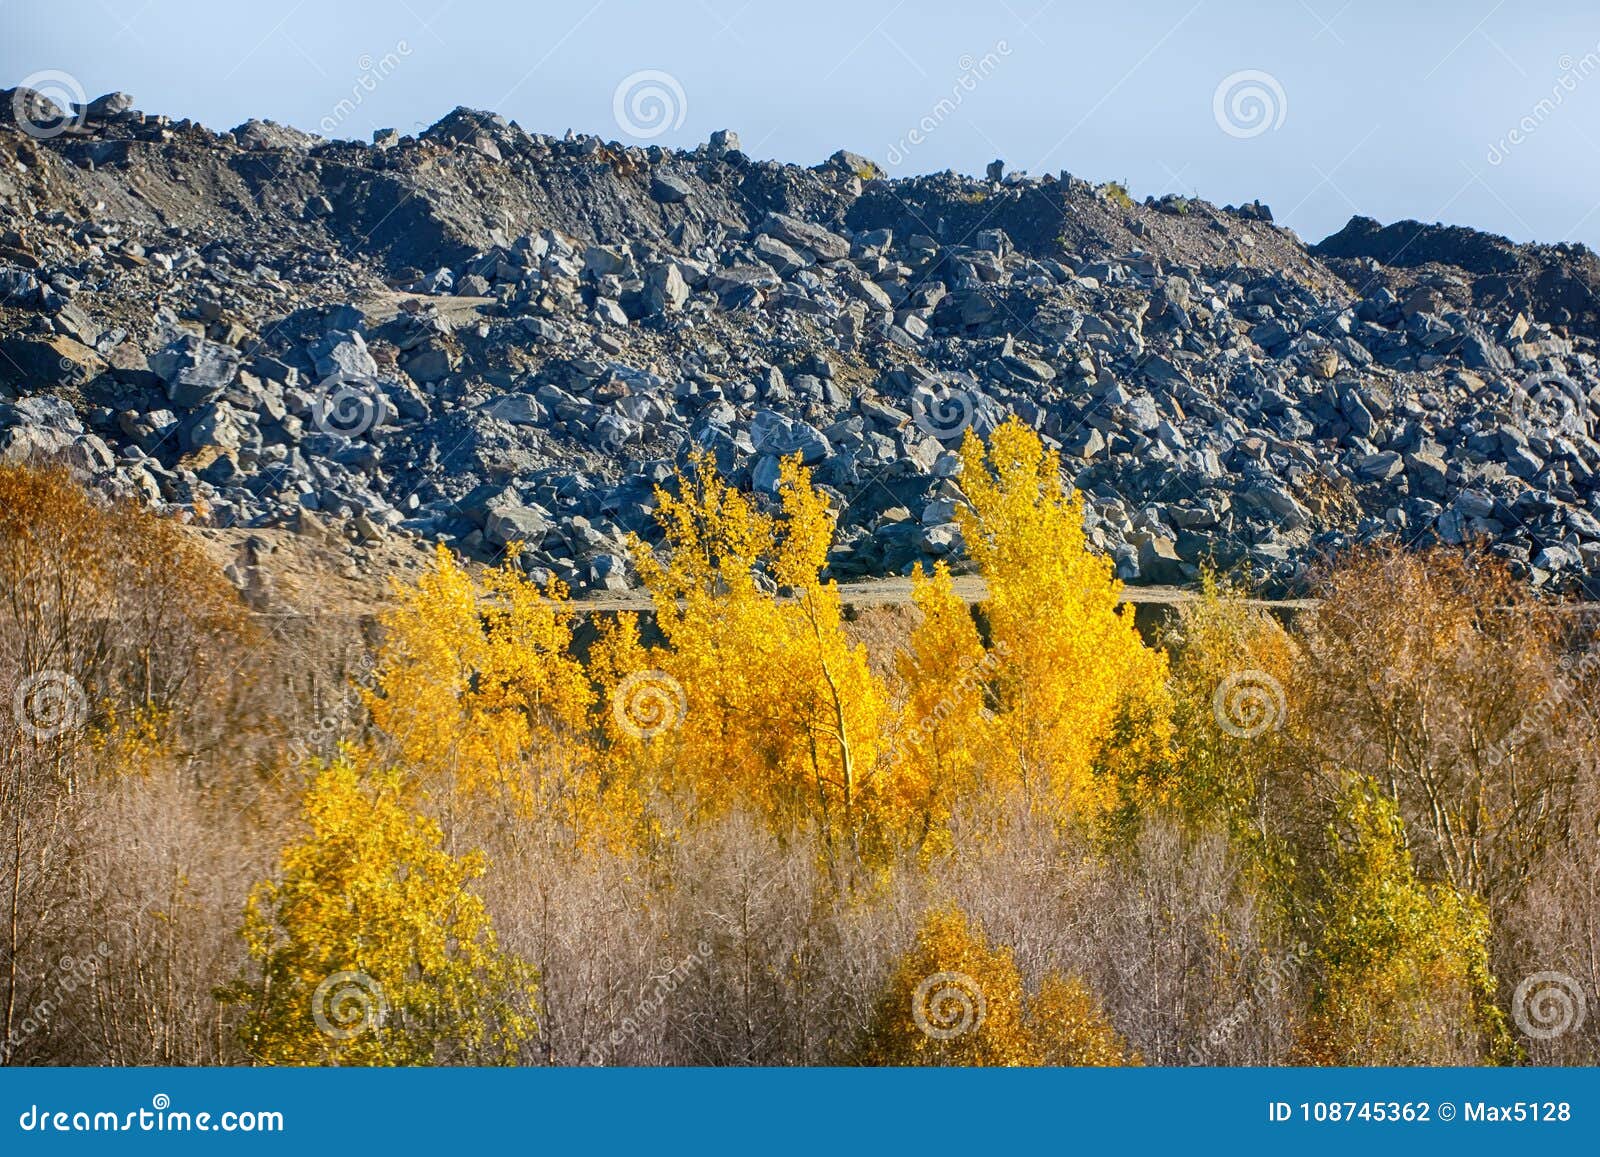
[
  {"x": 1083, "y": 703},
  {"x": 372, "y": 948},
  {"x": 477, "y": 691},
  {"x": 954, "y": 999},
  {"x": 759, "y": 693},
  {"x": 633, "y": 705},
  {"x": 943, "y": 732},
  {"x": 1403, "y": 966},
  {"x": 1232, "y": 683},
  {"x": 1069, "y": 1027}
]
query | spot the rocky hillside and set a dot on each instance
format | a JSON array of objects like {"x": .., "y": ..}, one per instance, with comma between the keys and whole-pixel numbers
[{"x": 481, "y": 334}]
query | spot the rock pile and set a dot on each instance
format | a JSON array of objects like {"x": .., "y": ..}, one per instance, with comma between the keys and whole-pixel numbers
[{"x": 480, "y": 335}]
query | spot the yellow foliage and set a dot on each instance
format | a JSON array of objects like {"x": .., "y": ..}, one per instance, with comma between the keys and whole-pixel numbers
[
  {"x": 372, "y": 948},
  {"x": 952, "y": 1000},
  {"x": 132, "y": 741},
  {"x": 955, "y": 1000},
  {"x": 1404, "y": 966},
  {"x": 476, "y": 692},
  {"x": 1231, "y": 684},
  {"x": 1074, "y": 673},
  {"x": 1069, "y": 1027},
  {"x": 944, "y": 724},
  {"x": 758, "y": 697},
  {"x": 779, "y": 709}
]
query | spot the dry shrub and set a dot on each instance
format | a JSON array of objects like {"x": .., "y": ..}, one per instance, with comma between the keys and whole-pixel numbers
[
  {"x": 1192, "y": 968},
  {"x": 1554, "y": 927},
  {"x": 1438, "y": 675},
  {"x": 1470, "y": 703},
  {"x": 118, "y": 647},
  {"x": 1166, "y": 932},
  {"x": 112, "y": 605}
]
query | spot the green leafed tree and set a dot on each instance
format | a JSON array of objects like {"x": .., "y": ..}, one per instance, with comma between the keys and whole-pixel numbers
[{"x": 1403, "y": 965}]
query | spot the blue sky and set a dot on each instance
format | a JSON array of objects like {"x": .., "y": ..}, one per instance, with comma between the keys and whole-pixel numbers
[{"x": 1471, "y": 112}]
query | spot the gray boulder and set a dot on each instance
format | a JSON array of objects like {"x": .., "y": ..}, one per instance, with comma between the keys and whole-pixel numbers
[{"x": 196, "y": 371}]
